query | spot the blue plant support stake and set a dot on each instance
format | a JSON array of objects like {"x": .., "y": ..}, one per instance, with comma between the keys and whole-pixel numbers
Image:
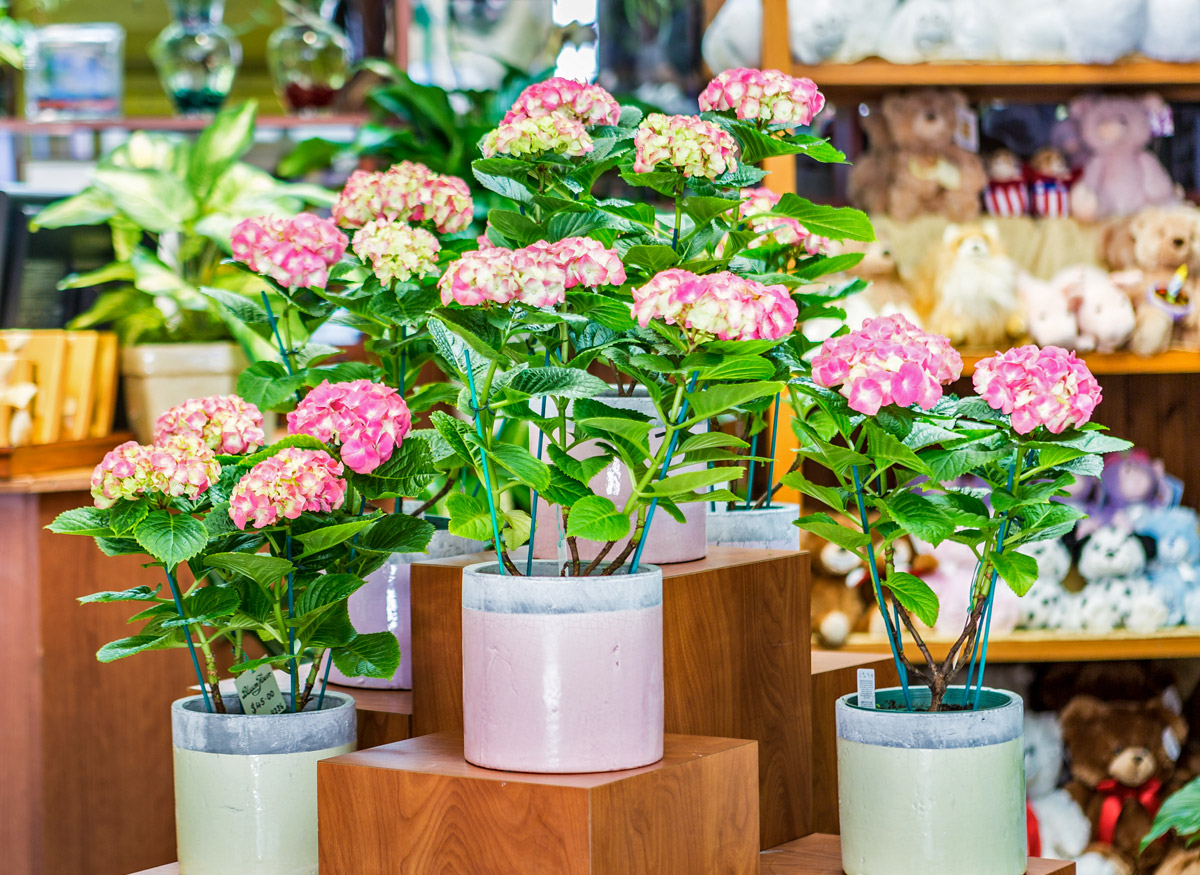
[
  {"x": 187, "y": 634},
  {"x": 283, "y": 353},
  {"x": 291, "y": 593},
  {"x": 534, "y": 502},
  {"x": 771, "y": 464},
  {"x": 483, "y": 458},
  {"x": 750, "y": 472},
  {"x": 683, "y": 408},
  {"x": 887, "y": 623},
  {"x": 987, "y": 611}
]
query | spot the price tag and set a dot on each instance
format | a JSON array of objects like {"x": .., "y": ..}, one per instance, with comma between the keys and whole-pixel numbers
[
  {"x": 866, "y": 688},
  {"x": 259, "y": 692}
]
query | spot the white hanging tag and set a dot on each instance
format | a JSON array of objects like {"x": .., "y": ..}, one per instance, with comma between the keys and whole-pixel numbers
[
  {"x": 866, "y": 688},
  {"x": 259, "y": 691}
]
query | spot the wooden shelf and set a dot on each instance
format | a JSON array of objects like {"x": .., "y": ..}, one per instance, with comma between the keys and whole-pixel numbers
[
  {"x": 1181, "y": 643},
  {"x": 822, "y": 855},
  {"x": 1030, "y": 81},
  {"x": 173, "y": 123},
  {"x": 1175, "y": 361}
]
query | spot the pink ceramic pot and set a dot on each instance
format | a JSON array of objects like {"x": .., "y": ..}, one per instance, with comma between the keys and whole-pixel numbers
[
  {"x": 668, "y": 541},
  {"x": 383, "y": 605},
  {"x": 562, "y": 675}
]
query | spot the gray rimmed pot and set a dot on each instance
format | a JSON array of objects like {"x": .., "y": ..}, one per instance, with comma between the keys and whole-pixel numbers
[
  {"x": 562, "y": 674},
  {"x": 764, "y": 528},
  {"x": 384, "y": 604},
  {"x": 246, "y": 785},
  {"x": 668, "y": 541},
  {"x": 925, "y": 793}
]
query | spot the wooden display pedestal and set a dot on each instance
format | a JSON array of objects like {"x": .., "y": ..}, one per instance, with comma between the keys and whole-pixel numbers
[
  {"x": 736, "y": 660},
  {"x": 384, "y": 716},
  {"x": 822, "y": 855},
  {"x": 417, "y": 806}
]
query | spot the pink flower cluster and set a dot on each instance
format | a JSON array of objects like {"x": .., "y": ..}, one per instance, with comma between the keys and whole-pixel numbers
[
  {"x": 724, "y": 305},
  {"x": 286, "y": 485},
  {"x": 531, "y": 137},
  {"x": 408, "y": 192},
  {"x": 538, "y": 275},
  {"x": 368, "y": 420},
  {"x": 180, "y": 465},
  {"x": 887, "y": 361},
  {"x": 689, "y": 144},
  {"x": 397, "y": 252},
  {"x": 297, "y": 252},
  {"x": 774, "y": 229},
  {"x": 226, "y": 424},
  {"x": 766, "y": 95},
  {"x": 589, "y": 104},
  {"x": 1047, "y": 386}
]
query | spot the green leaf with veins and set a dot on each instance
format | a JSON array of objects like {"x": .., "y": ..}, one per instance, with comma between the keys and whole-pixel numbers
[
  {"x": 824, "y": 526},
  {"x": 914, "y": 595},
  {"x": 373, "y": 655},
  {"x": 596, "y": 518},
  {"x": 171, "y": 538}
]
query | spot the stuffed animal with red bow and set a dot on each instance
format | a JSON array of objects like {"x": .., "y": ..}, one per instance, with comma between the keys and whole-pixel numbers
[{"x": 1123, "y": 757}]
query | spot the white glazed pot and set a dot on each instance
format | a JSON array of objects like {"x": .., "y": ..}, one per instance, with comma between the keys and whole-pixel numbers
[
  {"x": 668, "y": 541},
  {"x": 160, "y": 375},
  {"x": 932, "y": 794},
  {"x": 246, "y": 785},
  {"x": 562, "y": 674},
  {"x": 384, "y": 605},
  {"x": 767, "y": 528}
]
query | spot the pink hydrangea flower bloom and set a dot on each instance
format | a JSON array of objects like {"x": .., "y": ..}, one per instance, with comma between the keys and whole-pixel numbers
[
  {"x": 531, "y": 137},
  {"x": 286, "y": 485},
  {"x": 297, "y": 252},
  {"x": 766, "y": 95},
  {"x": 1048, "y": 386},
  {"x": 587, "y": 104},
  {"x": 538, "y": 275},
  {"x": 480, "y": 277},
  {"x": 397, "y": 252},
  {"x": 407, "y": 192},
  {"x": 724, "y": 305},
  {"x": 368, "y": 420},
  {"x": 887, "y": 361},
  {"x": 226, "y": 423},
  {"x": 181, "y": 466},
  {"x": 691, "y": 145}
]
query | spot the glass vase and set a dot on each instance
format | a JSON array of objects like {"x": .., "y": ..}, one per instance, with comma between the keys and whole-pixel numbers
[
  {"x": 309, "y": 56},
  {"x": 196, "y": 56}
]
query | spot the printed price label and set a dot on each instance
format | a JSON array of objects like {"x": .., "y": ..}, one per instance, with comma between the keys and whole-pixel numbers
[
  {"x": 259, "y": 692},
  {"x": 866, "y": 688}
]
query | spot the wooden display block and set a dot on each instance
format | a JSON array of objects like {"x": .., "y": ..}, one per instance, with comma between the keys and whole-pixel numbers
[
  {"x": 822, "y": 855},
  {"x": 834, "y": 674},
  {"x": 417, "y": 806},
  {"x": 736, "y": 657},
  {"x": 169, "y": 869},
  {"x": 384, "y": 716}
]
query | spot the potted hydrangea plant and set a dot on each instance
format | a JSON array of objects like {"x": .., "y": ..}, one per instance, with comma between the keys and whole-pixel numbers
[
  {"x": 873, "y": 413},
  {"x": 259, "y": 546},
  {"x": 674, "y": 307}
]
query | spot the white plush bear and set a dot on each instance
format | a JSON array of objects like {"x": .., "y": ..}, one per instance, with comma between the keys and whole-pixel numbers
[
  {"x": 817, "y": 29},
  {"x": 1032, "y": 30},
  {"x": 1172, "y": 30},
  {"x": 919, "y": 30},
  {"x": 1068, "y": 613},
  {"x": 734, "y": 39},
  {"x": 1062, "y": 829},
  {"x": 1039, "y": 608},
  {"x": 1103, "y": 31},
  {"x": 865, "y": 30},
  {"x": 976, "y": 29}
]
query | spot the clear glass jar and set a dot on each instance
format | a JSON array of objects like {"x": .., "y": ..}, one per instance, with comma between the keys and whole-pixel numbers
[
  {"x": 309, "y": 57},
  {"x": 196, "y": 56}
]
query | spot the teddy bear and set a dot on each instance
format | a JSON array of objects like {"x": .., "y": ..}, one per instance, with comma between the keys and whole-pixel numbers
[
  {"x": 1172, "y": 31},
  {"x": 817, "y": 28},
  {"x": 919, "y": 30},
  {"x": 1006, "y": 194},
  {"x": 1132, "y": 478},
  {"x": 1122, "y": 760},
  {"x": 1056, "y": 825},
  {"x": 926, "y": 171},
  {"x": 1113, "y": 560},
  {"x": 864, "y": 31},
  {"x": 1104, "y": 314},
  {"x": 1101, "y": 31},
  {"x": 1039, "y": 607},
  {"x": 1175, "y": 571},
  {"x": 970, "y": 292},
  {"x": 870, "y": 176},
  {"x": 836, "y": 605},
  {"x": 1050, "y": 178},
  {"x": 1122, "y": 176},
  {"x": 1032, "y": 30},
  {"x": 1049, "y": 318}
]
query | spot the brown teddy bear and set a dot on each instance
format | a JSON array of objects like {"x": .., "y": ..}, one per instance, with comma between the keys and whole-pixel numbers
[
  {"x": 1122, "y": 757},
  {"x": 917, "y": 168},
  {"x": 836, "y": 606},
  {"x": 871, "y": 173}
]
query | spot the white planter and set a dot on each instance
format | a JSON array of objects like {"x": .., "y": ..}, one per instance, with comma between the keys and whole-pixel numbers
[
  {"x": 160, "y": 375},
  {"x": 562, "y": 674},
  {"x": 668, "y": 542},
  {"x": 932, "y": 794},
  {"x": 383, "y": 605},
  {"x": 246, "y": 785},
  {"x": 767, "y": 528}
]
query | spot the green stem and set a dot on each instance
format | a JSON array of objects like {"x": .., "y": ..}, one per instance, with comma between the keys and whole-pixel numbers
[{"x": 678, "y": 215}]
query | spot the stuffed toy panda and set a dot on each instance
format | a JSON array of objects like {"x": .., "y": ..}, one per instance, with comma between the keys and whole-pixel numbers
[
  {"x": 1113, "y": 561},
  {"x": 1039, "y": 608}
]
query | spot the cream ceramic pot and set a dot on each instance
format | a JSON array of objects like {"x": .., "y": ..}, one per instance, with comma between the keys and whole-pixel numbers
[
  {"x": 160, "y": 375},
  {"x": 766, "y": 528},
  {"x": 932, "y": 794},
  {"x": 246, "y": 785},
  {"x": 562, "y": 674}
]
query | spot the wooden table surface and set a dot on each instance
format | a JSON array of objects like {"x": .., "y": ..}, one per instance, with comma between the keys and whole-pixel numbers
[{"x": 822, "y": 855}]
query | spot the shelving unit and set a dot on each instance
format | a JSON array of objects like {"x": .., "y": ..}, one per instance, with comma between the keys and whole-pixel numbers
[
  {"x": 173, "y": 123},
  {"x": 1181, "y": 643}
]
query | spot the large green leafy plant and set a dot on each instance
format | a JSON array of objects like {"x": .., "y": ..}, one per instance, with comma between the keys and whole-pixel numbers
[{"x": 171, "y": 204}]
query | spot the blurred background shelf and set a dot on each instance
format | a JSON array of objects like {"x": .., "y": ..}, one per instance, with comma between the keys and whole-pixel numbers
[
  {"x": 175, "y": 123},
  {"x": 1175, "y": 361},
  {"x": 1179, "y": 643}
]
